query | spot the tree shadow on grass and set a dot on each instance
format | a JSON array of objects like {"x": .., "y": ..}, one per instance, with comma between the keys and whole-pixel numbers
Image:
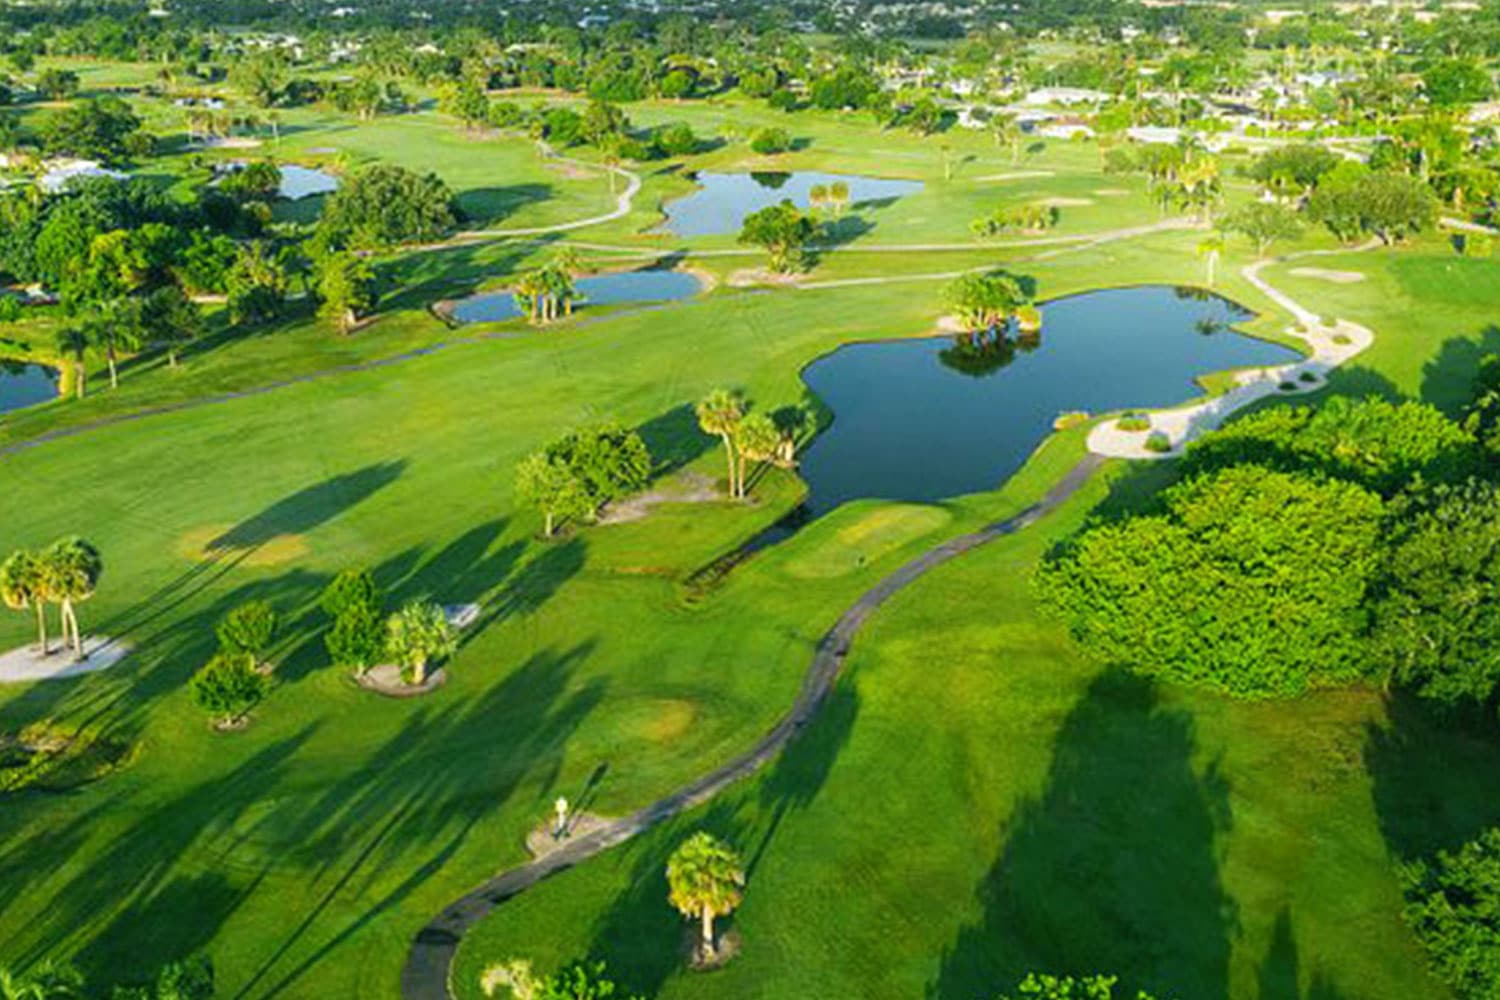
[
  {"x": 639, "y": 937},
  {"x": 138, "y": 873},
  {"x": 1114, "y": 869},
  {"x": 674, "y": 439},
  {"x": 306, "y": 509},
  {"x": 442, "y": 774},
  {"x": 1447, "y": 378},
  {"x": 1435, "y": 775},
  {"x": 1280, "y": 972}
]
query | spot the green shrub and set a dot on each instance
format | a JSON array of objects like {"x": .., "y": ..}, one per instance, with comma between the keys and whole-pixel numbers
[
  {"x": 229, "y": 686},
  {"x": 357, "y": 637},
  {"x": 770, "y": 140},
  {"x": 1133, "y": 422},
  {"x": 1453, "y": 905},
  {"x": 249, "y": 628},
  {"x": 351, "y": 587},
  {"x": 1249, "y": 581},
  {"x": 1307, "y": 377},
  {"x": 1158, "y": 442}
]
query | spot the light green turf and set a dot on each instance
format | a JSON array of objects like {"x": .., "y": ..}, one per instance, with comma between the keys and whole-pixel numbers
[{"x": 1154, "y": 834}]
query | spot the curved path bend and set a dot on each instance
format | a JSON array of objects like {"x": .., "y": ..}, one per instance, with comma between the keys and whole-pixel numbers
[
  {"x": 1328, "y": 345},
  {"x": 428, "y": 964}
]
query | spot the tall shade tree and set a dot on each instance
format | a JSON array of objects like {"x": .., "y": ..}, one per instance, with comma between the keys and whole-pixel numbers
[
  {"x": 985, "y": 301},
  {"x": 705, "y": 879},
  {"x": 23, "y": 588},
  {"x": 720, "y": 413},
  {"x": 418, "y": 635},
  {"x": 553, "y": 488},
  {"x": 170, "y": 320},
  {"x": 229, "y": 686},
  {"x": 71, "y": 568},
  {"x": 1211, "y": 248},
  {"x": 346, "y": 289},
  {"x": 781, "y": 230}
]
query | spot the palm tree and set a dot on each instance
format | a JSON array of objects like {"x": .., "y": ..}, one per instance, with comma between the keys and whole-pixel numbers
[
  {"x": 759, "y": 440},
  {"x": 71, "y": 568},
  {"x": 49, "y": 982},
  {"x": 417, "y": 635},
  {"x": 1211, "y": 247},
  {"x": 705, "y": 878},
  {"x": 720, "y": 413},
  {"x": 21, "y": 587},
  {"x": 72, "y": 344}
]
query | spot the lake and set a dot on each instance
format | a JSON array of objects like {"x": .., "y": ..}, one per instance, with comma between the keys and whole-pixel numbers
[
  {"x": 599, "y": 290},
  {"x": 935, "y": 417},
  {"x": 304, "y": 182},
  {"x": 24, "y": 384},
  {"x": 723, "y": 200}
]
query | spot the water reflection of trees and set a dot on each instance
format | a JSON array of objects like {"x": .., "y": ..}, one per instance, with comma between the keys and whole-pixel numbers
[
  {"x": 773, "y": 180},
  {"x": 980, "y": 353}
]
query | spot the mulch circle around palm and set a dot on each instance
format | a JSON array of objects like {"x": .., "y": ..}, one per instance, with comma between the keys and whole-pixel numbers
[{"x": 386, "y": 679}]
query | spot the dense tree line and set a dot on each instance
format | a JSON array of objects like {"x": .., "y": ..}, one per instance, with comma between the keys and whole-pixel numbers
[{"x": 1303, "y": 548}]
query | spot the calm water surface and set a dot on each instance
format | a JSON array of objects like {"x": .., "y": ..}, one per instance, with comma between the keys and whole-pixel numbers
[
  {"x": 603, "y": 289},
  {"x": 938, "y": 417},
  {"x": 24, "y": 385},
  {"x": 723, "y": 200}
]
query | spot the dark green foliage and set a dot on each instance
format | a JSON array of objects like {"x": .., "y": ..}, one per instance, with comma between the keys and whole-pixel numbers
[
  {"x": 1263, "y": 223},
  {"x": 385, "y": 206},
  {"x": 1453, "y": 905},
  {"x": 677, "y": 139},
  {"x": 1293, "y": 168},
  {"x": 1373, "y": 442},
  {"x": 846, "y": 87},
  {"x": 580, "y": 981},
  {"x": 1482, "y": 415},
  {"x": 782, "y": 230},
  {"x": 249, "y": 628},
  {"x": 228, "y": 686},
  {"x": 1451, "y": 82},
  {"x": 770, "y": 140},
  {"x": 1043, "y": 987},
  {"x": 189, "y": 980},
  {"x": 1392, "y": 205},
  {"x": 1249, "y": 581},
  {"x": 354, "y": 603},
  {"x": 258, "y": 181},
  {"x": 1440, "y": 614},
  {"x": 607, "y": 460},
  {"x": 562, "y": 127},
  {"x": 97, "y": 129}
]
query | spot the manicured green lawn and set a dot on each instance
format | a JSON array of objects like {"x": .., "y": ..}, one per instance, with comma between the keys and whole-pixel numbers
[{"x": 975, "y": 801}]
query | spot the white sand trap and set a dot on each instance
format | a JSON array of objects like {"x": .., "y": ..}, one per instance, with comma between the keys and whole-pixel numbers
[
  {"x": 23, "y": 665},
  {"x": 1111, "y": 192},
  {"x": 1323, "y": 274},
  {"x": 230, "y": 142},
  {"x": 1065, "y": 202},
  {"x": 1017, "y": 175},
  {"x": 461, "y": 616}
]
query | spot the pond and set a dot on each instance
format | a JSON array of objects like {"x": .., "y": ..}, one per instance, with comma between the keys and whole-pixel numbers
[
  {"x": 600, "y": 290},
  {"x": 304, "y": 182},
  {"x": 937, "y": 417},
  {"x": 24, "y": 384},
  {"x": 723, "y": 200}
]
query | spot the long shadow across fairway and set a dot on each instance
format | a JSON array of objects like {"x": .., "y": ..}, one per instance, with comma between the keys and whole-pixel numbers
[
  {"x": 310, "y": 507},
  {"x": 1281, "y": 974},
  {"x": 425, "y": 976},
  {"x": 1448, "y": 378},
  {"x": 1114, "y": 868},
  {"x": 1434, "y": 775},
  {"x": 444, "y": 772}
]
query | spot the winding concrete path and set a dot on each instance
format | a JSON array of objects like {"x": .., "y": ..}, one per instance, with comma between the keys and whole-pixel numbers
[
  {"x": 429, "y": 963},
  {"x": 1328, "y": 347}
]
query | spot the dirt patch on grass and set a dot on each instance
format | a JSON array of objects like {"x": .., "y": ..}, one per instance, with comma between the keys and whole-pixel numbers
[
  {"x": 670, "y": 718},
  {"x": 750, "y": 277},
  {"x": 690, "y": 487},
  {"x": 199, "y": 545},
  {"x": 1324, "y": 274},
  {"x": 1016, "y": 175},
  {"x": 542, "y": 840}
]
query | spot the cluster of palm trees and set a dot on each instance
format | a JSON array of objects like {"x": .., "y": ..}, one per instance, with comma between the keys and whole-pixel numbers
[
  {"x": 65, "y": 573},
  {"x": 547, "y": 291},
  {"x": 748, "y": 437}
]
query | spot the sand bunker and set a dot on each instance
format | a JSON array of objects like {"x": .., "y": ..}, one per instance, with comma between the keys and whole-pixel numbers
[
  {"x": 1016, "y": 175},
  {"x": 1111, "y": 192},
  {"x": 25, "y": 664},
  {"x": 1065, "y": 202},
  {"x": 1323, "y": 274}
]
